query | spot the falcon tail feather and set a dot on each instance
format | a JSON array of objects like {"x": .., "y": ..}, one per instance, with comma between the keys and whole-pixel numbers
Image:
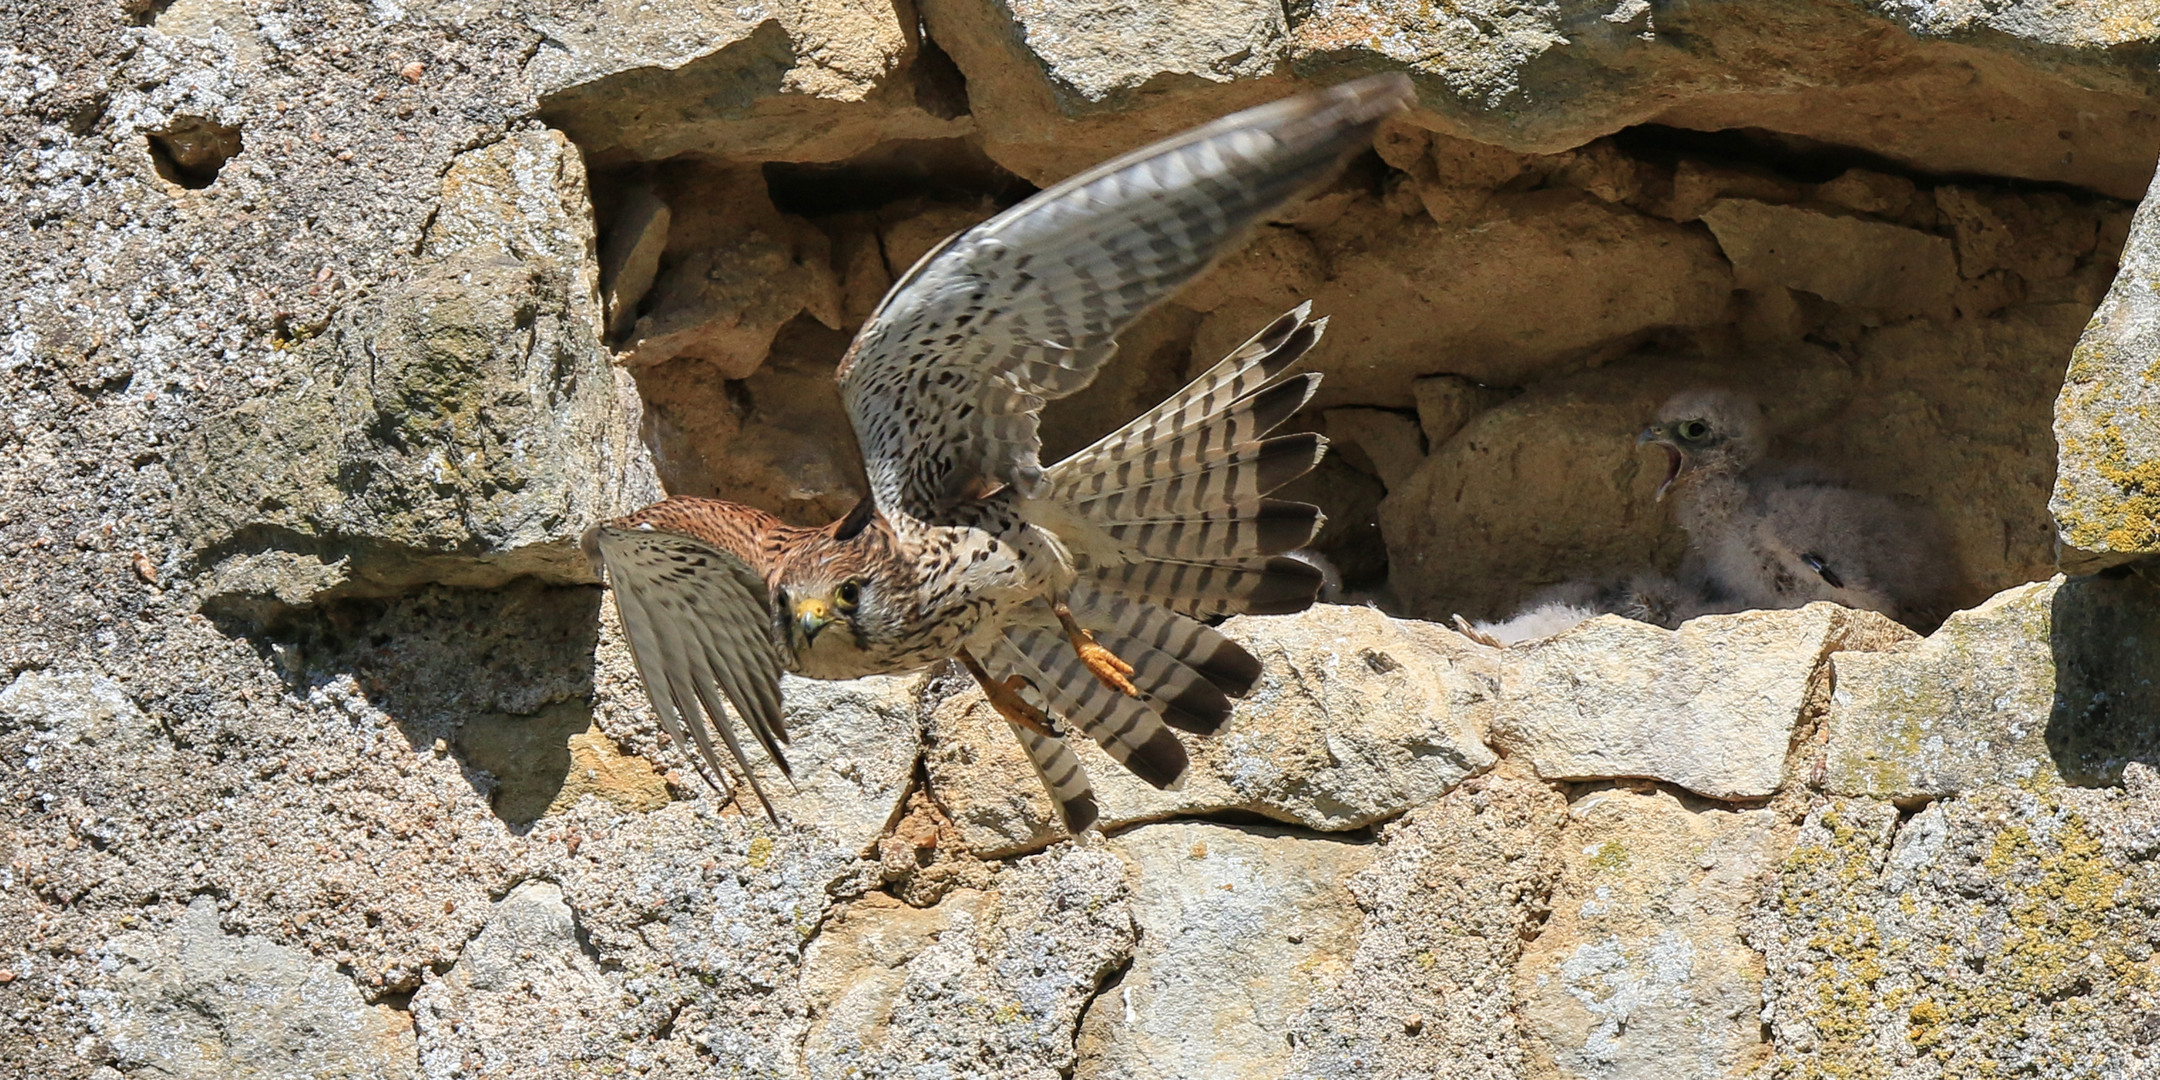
[
  {"x": 1126, "y": 728},
  {"x": 1172, "y": 508},
  {"x": 1062, "y": 777}
]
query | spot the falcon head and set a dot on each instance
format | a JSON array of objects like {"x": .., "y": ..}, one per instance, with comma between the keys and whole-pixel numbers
[
  {"x": 1705, "y": 431},
  {"x": 836, "y": 597}
]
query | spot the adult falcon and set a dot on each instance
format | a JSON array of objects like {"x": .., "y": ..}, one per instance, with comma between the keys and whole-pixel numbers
[{"x": 1076, "y": 591}]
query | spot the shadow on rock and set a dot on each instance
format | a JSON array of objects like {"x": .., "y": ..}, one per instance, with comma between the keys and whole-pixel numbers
[
  {"x": 2106, "y": 642},
  {"x": 503, "y": 677}
]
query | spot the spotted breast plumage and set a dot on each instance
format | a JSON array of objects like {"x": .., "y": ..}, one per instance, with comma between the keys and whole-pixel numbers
[{"x": 1076, "y": 593}]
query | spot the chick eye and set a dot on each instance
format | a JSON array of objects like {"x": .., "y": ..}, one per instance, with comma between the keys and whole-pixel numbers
[
  {"x": 848, "y": 595},
  {"x": 1694, "y": 430}
]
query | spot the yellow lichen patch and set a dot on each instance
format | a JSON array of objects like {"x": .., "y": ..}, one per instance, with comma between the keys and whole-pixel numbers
[
  {"x": 760, "y": 852},
  {"x": 2126, "y": 518},
  {"x": 1611, "y": 858}
]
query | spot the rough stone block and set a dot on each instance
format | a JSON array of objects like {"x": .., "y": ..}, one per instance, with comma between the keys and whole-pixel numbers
[
  {"x": 633, "y": 79},
  {"x": 2107, "y": 420},
  {"x": 984, "y": 984},
  {"x": 1239, "y": 928},
  {"x": 1356, "y": 718},
  {"x": 2049, "y": 683},
  {"x": 1997, "y": 930},
  {"x": 1449, "y": 899},
  {"x": 1710, "y": 706},
  {"x": 1642, "y": 970},
  {"x": 1877, "y": 266},
  {"x": 195, "y": 1003}
]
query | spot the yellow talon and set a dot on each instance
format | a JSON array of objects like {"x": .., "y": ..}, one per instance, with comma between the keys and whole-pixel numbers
[{"x": 1108, "y": 669}]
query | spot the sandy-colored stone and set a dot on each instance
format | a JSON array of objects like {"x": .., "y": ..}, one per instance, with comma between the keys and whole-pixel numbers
[
  {"x": 1239, "y": 929},
  {"x": 1879, "y": 267},
  {"x": 1382, "y": 442},
  {"x": 1356, "y": 718},
  {"x": 783, "y": 81},
  {"x": 1710, "y": 706},
  {"x": 464, "y": 427},
  {"x": 1408, "y": 296},
  {"x": 2107, "y": 486},
  {"x": 733, "y": 272},
  {"x": 1642, "y": 970},
  {"x": 1449, "y": 899},
  {"x": 1445, "y": 403},
  {"x": 1055, "y": 86},
  {"x": 853, "y": 750}
]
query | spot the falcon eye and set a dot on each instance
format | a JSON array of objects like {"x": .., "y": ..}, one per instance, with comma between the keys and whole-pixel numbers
[
  {"x": 1694, "y": 430},
  {"x": 848, "y": 595}
]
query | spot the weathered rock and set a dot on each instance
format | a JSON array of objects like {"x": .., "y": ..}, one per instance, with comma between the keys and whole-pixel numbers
[
  {"x": 1449, "y": 899},
  {"x": 1967, "y": 708},
  {"x": 2107, "y": 423},
  {"x": 1356, "y": 718},
  {"x": 1642, "y": 970},
  {"x": 522, "y": 997},
  {"x": 853, "y": 749},
  {"x": 1380, "y": 442},
  {"x": 1054, "y": 87},
  {"x": 1606, "y": 698},
  {"x": 734, "y": 271},
  {"x": 1239, "y": 929},
  {"x": 2046, "y": 684},
  {"x": 199, "y": 1004},
  {"x": 778, "y": 440},
  {"x": 1445, "y": 403},
  {"x": 1985, "y": 933},
  {"x": 785, "y": 81},
  {"x": 1879, "y": 267},
  {"x": 984, "y": 984},
  {"x": 463, "y": 428},
  {"x": 1408, "y": 297},
  {"x": 1558, "y": 76},
  {"x": 706, "y": 912}
]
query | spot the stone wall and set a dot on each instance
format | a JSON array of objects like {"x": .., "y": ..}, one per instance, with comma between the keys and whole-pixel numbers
[{"x": 331, "y": 325}]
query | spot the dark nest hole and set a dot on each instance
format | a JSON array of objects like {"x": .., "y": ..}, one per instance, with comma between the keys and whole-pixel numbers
[{"x": 192, "y": 149}]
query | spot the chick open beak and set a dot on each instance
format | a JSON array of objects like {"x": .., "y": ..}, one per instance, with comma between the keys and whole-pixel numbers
[
  {"x": 812, "y": 616},
  {"x": 1673, "y": 458}
]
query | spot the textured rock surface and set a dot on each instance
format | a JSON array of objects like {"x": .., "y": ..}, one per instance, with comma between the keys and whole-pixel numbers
[
  {"x": 330, "y": 324},
  {"x": 1607, "y": 697},
  {"x": 201, "y": 1004},
  {"x": 990, "y": 984},
  {"x": 2107, "y": 489},
  {"x": 1238, "y": 928},
  {"x": 1641, "y": 969},
  {"x": 1448, "y": 901},
  {"x": 1357, "y": 717},
  {"x": 2001, "y": 930},
  {"x": 2044, "y": 685}
]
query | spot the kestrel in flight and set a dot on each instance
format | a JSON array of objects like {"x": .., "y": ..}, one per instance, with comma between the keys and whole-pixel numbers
[{"x": 1075, "y": 591}]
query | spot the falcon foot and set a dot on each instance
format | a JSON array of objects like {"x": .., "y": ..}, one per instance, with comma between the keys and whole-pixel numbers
[
  {"x": 1104, "y": 663},
  {"x": 1005, "y": 698}
]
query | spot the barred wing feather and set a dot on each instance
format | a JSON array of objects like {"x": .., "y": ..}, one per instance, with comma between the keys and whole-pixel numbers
[{"x": 946, "y": 380}]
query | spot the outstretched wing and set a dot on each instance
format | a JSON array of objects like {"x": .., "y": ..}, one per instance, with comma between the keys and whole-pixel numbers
[
  {"x": 946, "y": 380},
  {"x": 700, "y": 627}
]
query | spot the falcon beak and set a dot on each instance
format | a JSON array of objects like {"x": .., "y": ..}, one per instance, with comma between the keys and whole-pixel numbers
[
  {"x": 812, "y": 616},
  {"x": 1673, "y": 458}
]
